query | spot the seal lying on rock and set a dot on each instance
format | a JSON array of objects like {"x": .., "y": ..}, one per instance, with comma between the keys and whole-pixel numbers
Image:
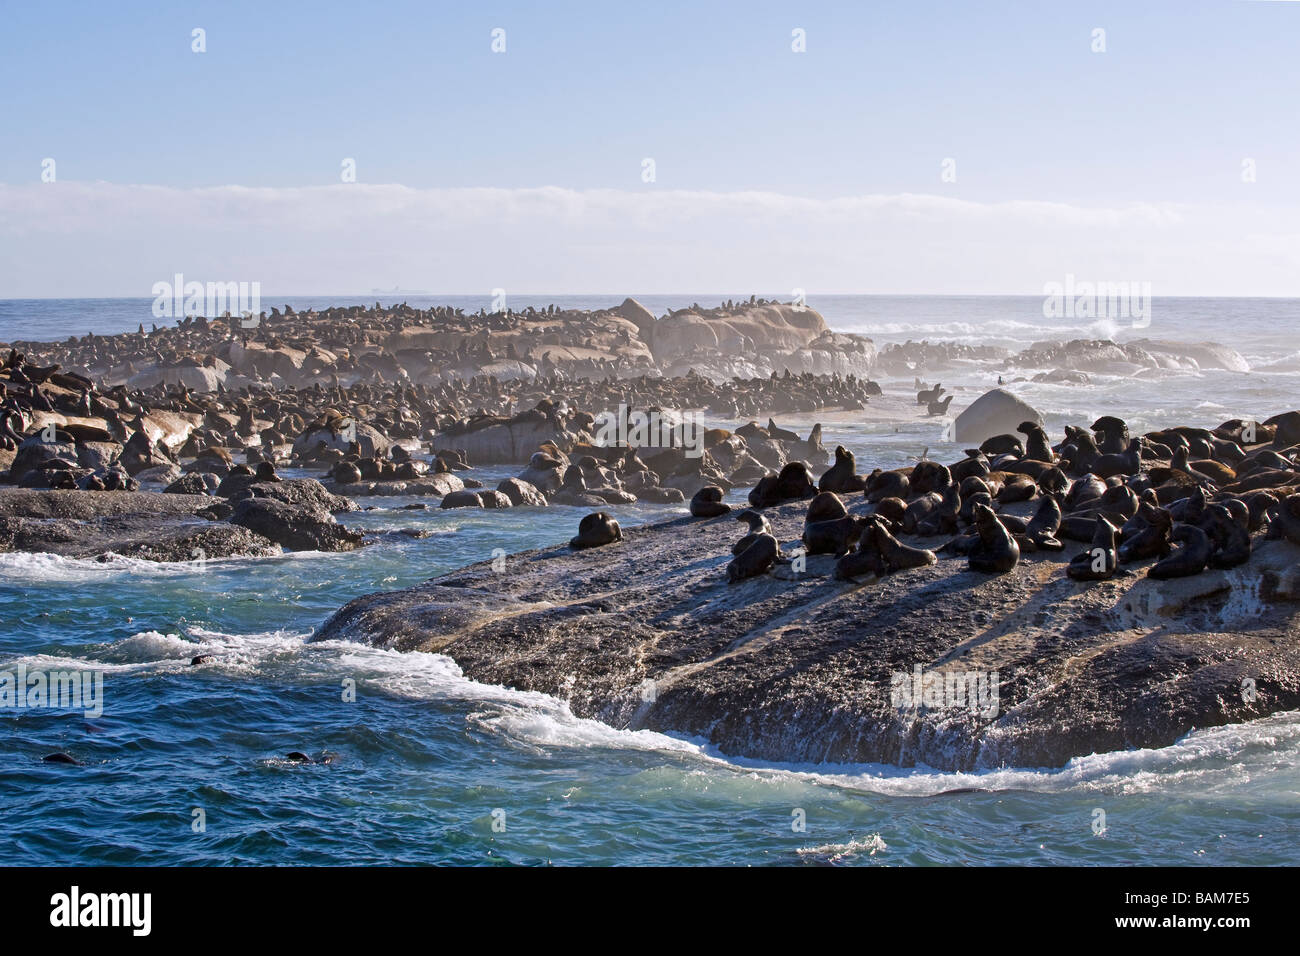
[
  {"x": 757, "y": 559},
  {"x": 897, "y": 556},
  {"x": 827, "y": 506},
  {"x": 837, "y": 536},
  {"x": 595, "y": 530},
  {"x": 708, "y": 503},
  {"x": 792, "y": 484}
]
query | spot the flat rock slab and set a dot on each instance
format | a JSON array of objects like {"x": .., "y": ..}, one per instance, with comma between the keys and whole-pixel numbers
[
  {"x": 799, "y": 667},
  {"x": 150, "y": 526}
]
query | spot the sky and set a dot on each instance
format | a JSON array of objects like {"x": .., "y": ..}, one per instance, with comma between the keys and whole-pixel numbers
[{"x": 910, "y": 147}]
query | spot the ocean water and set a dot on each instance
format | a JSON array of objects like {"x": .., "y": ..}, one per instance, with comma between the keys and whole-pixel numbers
[{"x": 434, "y": 768}]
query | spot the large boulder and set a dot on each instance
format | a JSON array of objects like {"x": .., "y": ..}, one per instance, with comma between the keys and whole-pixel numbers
[
  {"x": 997, "y": 412},
  {"x": 638, "y": 315},
  {"x": 521, "y": 492},
  {"x": 373, "y": 443}
]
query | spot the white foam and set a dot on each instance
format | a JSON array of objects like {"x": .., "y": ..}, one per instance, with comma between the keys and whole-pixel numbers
[{"x": 1197, "y": 764}]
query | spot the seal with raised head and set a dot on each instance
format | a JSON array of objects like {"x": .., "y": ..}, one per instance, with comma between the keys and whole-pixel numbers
[
  {"x": 596, "y": 529},
  {"x": 1152, "y": 541},
  {"x": 1042, "y": 527},
  {"x": 1037, "y": 445},
  {"x": 842, "y": 476},
  {"x": 758, "y": 524},
  {"x": 1098, "y": 562},
  {"x": 865, "y": 560},
  {"x": 997, "y": 551}
]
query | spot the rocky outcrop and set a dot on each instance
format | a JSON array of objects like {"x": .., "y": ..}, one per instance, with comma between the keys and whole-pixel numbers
[
  {"x": 797, "y": 666},
  {"x": 294, "y": 527},
  {"x": 149, "y": 526}
]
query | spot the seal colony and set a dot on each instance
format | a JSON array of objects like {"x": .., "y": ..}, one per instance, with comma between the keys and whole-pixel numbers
[
  {"x": 1123, "y": 585},
  {"x": 1120, "y": 612}
]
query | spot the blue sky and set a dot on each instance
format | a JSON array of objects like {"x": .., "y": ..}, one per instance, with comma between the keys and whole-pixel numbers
[{"x": 585, "y": 91}]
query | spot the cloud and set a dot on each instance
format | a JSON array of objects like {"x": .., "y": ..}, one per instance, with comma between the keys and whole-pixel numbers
[{"x": 71, "y": 239}]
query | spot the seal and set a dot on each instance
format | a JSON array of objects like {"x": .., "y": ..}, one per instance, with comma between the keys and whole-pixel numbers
[
  {"x": 943, "y": 518},
  {"x": 887, "y": 484},
  {"x": 825, "y": 507},
  {"x": 708, "y": 503},
  {"x": 758, "y": 524},
  {"x": 897, "y": 556},
  {"x": 935, "y": 409},
  {"x": 780, "y": 434},
  {"x": 865, "y": 560},
  {"x": 1152, "y": 541},
  {"x": 792, "y": 484},
  {"x": 596, "y": 529},
  {"x": 837, "y": 536},
  {"x": 1228, "y": 535},
  {"x": 1112, "y": 434},
  {"x": 975, "y": 464},
  {"x": 842, "y": 476},
  {"x": 1042, "y": 527},
  {"x": 1098, "y": 562},
  {"x": 997, "y": 551},
  {"x": 928, "y": 476},
  {"x": 918, "y": 511},
  {"x": 1037, "y": 445},
  {"x": 1190, "y": 559},
  {"x": 757, "y": 559},
  {"x": 891, "y": 511}
]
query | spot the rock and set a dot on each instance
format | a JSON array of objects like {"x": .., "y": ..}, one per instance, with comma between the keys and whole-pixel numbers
[
  {"x": 294, "y": 527},
  {"x": 462, "y": 499},
  {"x": 303, "y": 492},
  {"x": 997, "y": 412},
  {"x": 799, "y": 667},
  {"x": 34, "y": 453},
  {"x": 521, "y": 492},
  {"x": 372, "y": 442},
  {"x": 194, "y": 483}
]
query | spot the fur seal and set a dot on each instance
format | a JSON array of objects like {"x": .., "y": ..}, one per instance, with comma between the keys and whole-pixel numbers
[
  {"x": 997, "y": 551},
  {"x": 865, "y": 560},
  {"x": 897, "y": 556},
  {"x": 596, "y": 529},
  {"x": 1190, "y": 559},
  {"x": 887, "y": 484},
  {"x": 708, "y": 503},
  {"x": 1037, "y": 446},
  {"x": 842, "y": 476},
  {"x": 1227, "y": 534},
  {"x": 758, "y": 524},
  {"x": 1042, "y": 527},
  {"x": 1153, "y": 540},
  {"x": 827, "y": 506},
  {"x": 837, "y": 536},
  {"x": 1098, "y": 562},
  {"x": 757, "y": 559},
  {"x": 929, "y": 476}
]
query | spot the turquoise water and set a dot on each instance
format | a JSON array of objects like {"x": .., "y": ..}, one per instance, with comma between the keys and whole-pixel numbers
[{"x": 425, "y": 756}]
